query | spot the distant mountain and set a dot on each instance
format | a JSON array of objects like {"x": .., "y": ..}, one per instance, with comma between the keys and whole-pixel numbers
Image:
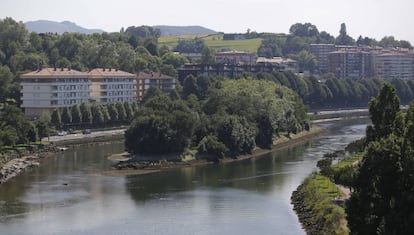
[
  {"x": 46, "y": 26},
  {"x": 183, "y": 30}
]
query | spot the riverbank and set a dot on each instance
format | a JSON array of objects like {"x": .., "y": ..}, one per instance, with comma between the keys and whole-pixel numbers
[
  {"x": 319, "y": 205},
  {"x": 144, "y": 166},
  {"x": 14, "y": 166}
]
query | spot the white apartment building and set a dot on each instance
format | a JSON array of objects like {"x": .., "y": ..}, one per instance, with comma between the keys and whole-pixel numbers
[
  {"x": 112, "y": 85},
  {"x": 50, "y": 88},
  {"x": 394, "y": 65}
]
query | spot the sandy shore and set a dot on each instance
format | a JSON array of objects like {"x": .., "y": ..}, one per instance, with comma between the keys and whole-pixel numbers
[{"x": 145, "y": 167}]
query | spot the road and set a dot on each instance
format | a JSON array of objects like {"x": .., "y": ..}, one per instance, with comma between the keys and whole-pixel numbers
[{"x": 94, "y": 134}]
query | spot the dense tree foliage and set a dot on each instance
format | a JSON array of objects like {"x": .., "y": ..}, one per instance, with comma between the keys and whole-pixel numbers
[
  {"x": 220, "y": 117},
  {"x": 162, "y": 126},
  {"x": 15, "y": 128},
  {"x": 382, "y": 200}
]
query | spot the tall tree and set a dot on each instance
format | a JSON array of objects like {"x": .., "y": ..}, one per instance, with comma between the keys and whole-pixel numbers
[
  {"x": 76, "y": 114},
  {"x": 383, "y": 111},
  {"x": 66, "y": 115},
  {"x": 344, "y": 38},
  {"x": 86, "y": 113},
  {"x": 56, "y": 119},
  {"x": 97, "y": 115}
]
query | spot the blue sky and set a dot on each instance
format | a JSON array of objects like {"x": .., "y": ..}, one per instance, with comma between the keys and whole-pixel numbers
[{"x": 373, "y": 18}]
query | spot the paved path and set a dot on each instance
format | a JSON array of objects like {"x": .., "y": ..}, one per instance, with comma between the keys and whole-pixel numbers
[{"x": 94, "y": 134}]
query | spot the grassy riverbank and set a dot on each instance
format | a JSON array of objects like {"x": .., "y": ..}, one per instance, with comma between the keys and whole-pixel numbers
[
  {"x": 159, "y": 163},
  {"x": 317, "y": 204}
]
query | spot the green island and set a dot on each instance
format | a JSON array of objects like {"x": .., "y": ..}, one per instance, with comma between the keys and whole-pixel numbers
[{"x": 224, "y": 120}]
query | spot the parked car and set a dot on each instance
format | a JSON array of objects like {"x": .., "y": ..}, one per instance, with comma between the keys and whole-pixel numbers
[
  {"x": 62, "y": 133},
  {"x": 86, "y": 132}
]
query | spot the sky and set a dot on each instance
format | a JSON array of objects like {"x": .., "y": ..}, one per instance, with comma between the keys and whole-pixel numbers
[{"x": 371, "y": 18}]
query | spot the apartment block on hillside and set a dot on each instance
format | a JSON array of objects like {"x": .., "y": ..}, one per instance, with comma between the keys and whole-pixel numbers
[
  {"x": 235, "y": 58},
  {"x": 321, "y": 52},
  {"x": 112, "y": 85},
  {"x": 50, "y": 88},
  {"x": 145, "y": 80},
  {"x": 351, "y": 63},
  {"x": 394, "y": 65}
]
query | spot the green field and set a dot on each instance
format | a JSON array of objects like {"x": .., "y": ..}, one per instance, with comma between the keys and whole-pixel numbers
[{"x": 215, "y": 42}]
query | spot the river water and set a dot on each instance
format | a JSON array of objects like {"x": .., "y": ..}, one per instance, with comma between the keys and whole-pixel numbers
[{"x": 68, "y": 194}]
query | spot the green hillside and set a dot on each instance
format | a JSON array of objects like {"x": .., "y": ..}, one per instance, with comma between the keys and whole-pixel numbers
[{"x": 216, "y": 42}]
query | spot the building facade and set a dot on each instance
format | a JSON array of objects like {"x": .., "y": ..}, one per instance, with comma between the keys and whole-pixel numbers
[
  {"x": 235, "y": 58},
  {"x": 284, "y": 64},
  {"x": 394, "y": 65},
  {"x": 321, "y": 52},
  {"x": 50, "y": 88},
  {"x": 112, "y": 86},
  {"x": 145, "y": 80},
  {"x": 351, "y": 63}
]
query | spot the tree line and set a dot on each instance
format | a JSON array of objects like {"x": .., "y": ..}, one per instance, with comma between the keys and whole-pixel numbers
[
  {"x": 16, "y": 129},
  {"x": 327, "y": 91},
  {"x": 216, "y": 117}
]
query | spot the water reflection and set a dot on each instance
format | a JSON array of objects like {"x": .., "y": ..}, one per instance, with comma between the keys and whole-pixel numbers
[{"x": 69, "y": 195}]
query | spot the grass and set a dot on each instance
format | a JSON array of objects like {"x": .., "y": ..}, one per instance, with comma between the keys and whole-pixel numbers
[
  {"x": 326, "y": 186},
  {"x": 215, "y": 42},
  {"x": 313, "y": 201},
  {"x": 351, "y": 160}
]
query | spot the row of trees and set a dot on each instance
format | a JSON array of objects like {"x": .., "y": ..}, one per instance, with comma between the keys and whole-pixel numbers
[
  {"x": 16, "y": 129},
  {"x": 86, "y": 115},
  {"x": 383, "y": 187},
  {"x": 330, "y": 92},
  {"x": 217, "y": 117}
]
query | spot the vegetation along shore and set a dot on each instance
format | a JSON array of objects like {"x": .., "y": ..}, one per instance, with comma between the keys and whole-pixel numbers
[{"x": 377, "y": 174}]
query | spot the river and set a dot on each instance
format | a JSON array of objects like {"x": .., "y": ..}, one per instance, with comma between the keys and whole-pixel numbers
[{"x": 68, "y": 194}]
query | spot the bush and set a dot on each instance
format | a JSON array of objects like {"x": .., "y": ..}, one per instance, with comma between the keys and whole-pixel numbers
[{"x": 212, "y": 146}]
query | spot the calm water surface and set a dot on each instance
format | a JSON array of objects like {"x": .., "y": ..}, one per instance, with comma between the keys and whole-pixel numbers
[{"x": 68, "y": 194}]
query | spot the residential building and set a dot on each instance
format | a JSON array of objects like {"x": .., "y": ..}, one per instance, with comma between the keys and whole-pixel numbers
[
  {"x": 284, "y": 64},
  {"x": 394, "y": 65},
  {"x": 193, "y": 57},
  {"x": 321, "y": 52},
  {"x": 224, "y": 70},
  {"x": 351, "y": 63},
  {"x": 235, "y": 58},
  {"x": 49, "y": 88},
  {"x": 234, "y": 36},
  {"x": 145, "y": 80},
  {"x": 112, "y": 86}
]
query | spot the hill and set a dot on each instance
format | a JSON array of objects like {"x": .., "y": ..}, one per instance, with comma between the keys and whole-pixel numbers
[
  {"x": 183, "y": 30},
  {"x": 46, "y": 26},
  {"x": 216, "y": 42}
]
